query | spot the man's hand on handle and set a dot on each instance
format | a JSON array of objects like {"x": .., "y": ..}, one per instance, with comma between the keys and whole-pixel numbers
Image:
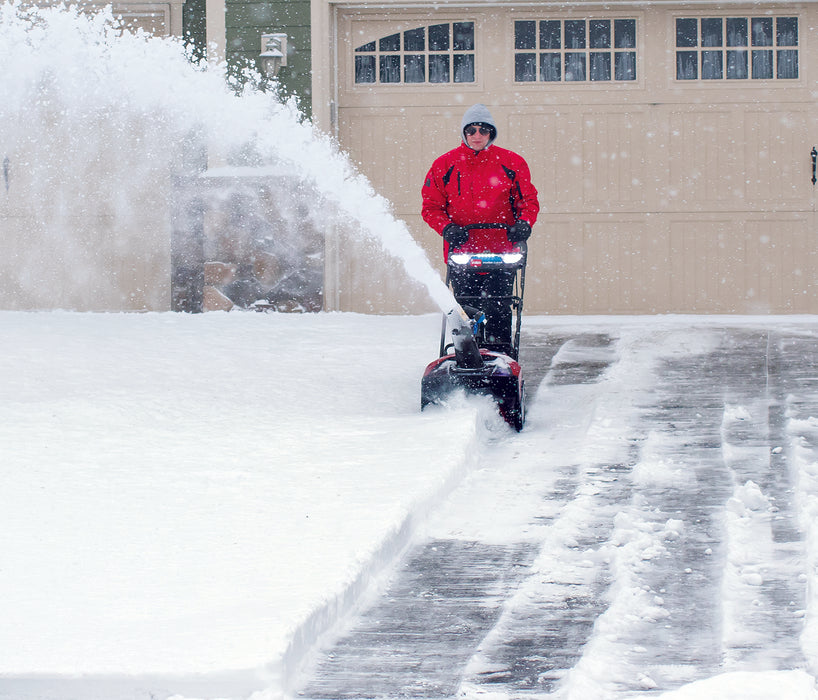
[
  {"x": 455, "y": 235},
  {"x": 519, "y": 232}
]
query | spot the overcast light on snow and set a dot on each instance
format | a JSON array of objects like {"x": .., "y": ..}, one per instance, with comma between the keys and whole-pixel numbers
[
  {"x": 206, "y": 495},
  {"x": 194, "y": 505}
]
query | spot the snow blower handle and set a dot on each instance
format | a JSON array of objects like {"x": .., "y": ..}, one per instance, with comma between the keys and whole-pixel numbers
[
  {"x": 520, "y": 246},
  {"x": 509, "y": 229},
  {"x": 455, "y": 241}
]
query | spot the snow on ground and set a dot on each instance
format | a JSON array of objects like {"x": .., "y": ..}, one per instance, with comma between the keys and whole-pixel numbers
[
  {"x": 194, "y": 494},
  {"x": 191, "y": 502}
]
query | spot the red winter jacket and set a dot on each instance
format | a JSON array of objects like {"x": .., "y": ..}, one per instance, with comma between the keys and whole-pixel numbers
[{"x": 465, "y": 186}]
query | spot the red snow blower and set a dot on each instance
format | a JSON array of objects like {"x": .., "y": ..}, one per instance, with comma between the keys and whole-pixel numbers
[{"x": 470, "y": 359}]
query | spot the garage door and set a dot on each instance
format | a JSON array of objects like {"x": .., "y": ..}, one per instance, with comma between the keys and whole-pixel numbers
[{"x": 672, "y": 149}]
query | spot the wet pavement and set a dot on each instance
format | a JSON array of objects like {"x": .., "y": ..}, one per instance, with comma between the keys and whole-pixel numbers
[{"x": 642, "y": 532}]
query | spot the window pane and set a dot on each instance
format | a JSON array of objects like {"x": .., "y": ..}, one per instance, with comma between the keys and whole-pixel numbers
[
  {"x": 439, "y": 37},
  {"x": 525, "y": 35},
  {"x": 550, "y": 67},
  {"x": 414, "y": 40},
  {"x": 574, "y": 34},
  {"x": 525, "y": 67},
  {"x": 463, "y": 68},
  {"x": 625, "y": 65},
  {"x": 686, "y": 65},
  {"x": 786, "y": 31},
  {"x": 736, "y": 65},
  {"x": 711, "y": 65},
  {"x": 787, "y": 64},
  {"x": 550, "y": 34},
  {"x": 762, "y": 31},
  {"x": 711, "y": 32},
  {"x": 687, "y": 32},
  {"x": 601, "y": 66},
  {"x": 367, "y": 47},
  {"x": 414, "y": 68},
  {"x": 463, "y": 33},
  {"x": 390, "y": 43},
  {"x": 625, "y": 33},
  {"x": 575, "y": 66},
  {"x": 762, "y": 65},
  {"x": 438, "y": 69},
  {"x": 600, "y": 31},
  {"x": 737, "y": 31},
  {"x": 390, "y": 69},
  {"x": 364, "y": 69}
]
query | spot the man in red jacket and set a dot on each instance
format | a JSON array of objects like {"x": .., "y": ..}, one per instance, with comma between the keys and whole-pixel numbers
[{"x": 480, "y": 183}]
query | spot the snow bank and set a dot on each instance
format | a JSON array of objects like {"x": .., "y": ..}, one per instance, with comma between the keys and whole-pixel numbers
[
  {"x": 743, "y": 685},
  {"x": 199, "y": 497}
]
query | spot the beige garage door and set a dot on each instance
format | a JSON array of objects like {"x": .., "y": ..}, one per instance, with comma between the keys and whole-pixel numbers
[{"x": 671, "y": 149}]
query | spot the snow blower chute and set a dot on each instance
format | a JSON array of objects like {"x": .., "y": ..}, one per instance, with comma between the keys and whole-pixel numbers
[{"x": 468, "y": 361}]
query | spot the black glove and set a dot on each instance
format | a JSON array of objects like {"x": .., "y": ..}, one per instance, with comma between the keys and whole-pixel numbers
[
  {"x": 519, "y": 232},
  {"x": 455, "y": 235}
]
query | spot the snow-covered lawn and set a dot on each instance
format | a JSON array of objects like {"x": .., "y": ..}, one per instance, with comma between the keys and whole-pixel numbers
[{"x": 199, "y": 494}]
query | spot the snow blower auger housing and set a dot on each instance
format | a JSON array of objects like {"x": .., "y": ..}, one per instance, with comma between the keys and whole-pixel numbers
[{"x": 467, "y": 361}]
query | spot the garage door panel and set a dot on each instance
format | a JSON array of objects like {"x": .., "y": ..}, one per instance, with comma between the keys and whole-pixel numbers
[
  {"x": 554, "y": 274},
  {"x": 615, "y": 158},
  {"x": 625, "y": 267},
  {"x": 777, "y": 157},
  {"x": 551, "y": 143},
  {"x": 703, "y": 162},
  {"x": 781, "y": 264},
  {"x": 730, "y": 265},
  {"x": 393, "y": 150},
  {"x": 369, "y": 279},
  {"x": 364, "y": 135}
]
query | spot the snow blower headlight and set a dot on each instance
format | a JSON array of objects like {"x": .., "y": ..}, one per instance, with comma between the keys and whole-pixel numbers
[{"x": 480, "y": 259}]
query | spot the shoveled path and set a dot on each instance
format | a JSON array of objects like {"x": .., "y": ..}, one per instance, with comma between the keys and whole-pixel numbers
[{"x": 639, "y": 534}]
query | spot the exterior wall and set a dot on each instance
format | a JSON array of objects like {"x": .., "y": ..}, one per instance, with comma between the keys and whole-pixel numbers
[
  {"x": 65, "y": 245},
  {"x": 194, "y": 26},
  {"x": 659, "y": 195},
  {"x": 247, "y": 21},
  {"x": 159, "y": 18}
]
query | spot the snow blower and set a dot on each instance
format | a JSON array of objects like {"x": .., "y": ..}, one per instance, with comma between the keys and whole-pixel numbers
[{"x": 467, "y": 361}]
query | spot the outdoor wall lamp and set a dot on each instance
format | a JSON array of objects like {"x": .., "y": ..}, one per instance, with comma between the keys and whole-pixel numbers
[{"x": 273, "y": 53}]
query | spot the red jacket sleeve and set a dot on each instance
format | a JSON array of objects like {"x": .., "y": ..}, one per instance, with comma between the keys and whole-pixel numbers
[
  {"x": 434, "y": 210},
  {"x": 527, "y": 204}
]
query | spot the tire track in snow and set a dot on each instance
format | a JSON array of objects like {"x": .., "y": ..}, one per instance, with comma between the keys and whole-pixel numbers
[
  {"x": 630, "y": 588},
  {"x": 660, "y": 507},
  {"x": 797, "y": 359},
  {"x": 416, "y": 637},
  {"x": 762, "y": 590},
  {"x": 549, "y": 618},
  {"x": 703, "y": 582}
]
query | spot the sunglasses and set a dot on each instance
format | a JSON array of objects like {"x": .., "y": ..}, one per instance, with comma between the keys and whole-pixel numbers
[{"x": 472, "y": 130}]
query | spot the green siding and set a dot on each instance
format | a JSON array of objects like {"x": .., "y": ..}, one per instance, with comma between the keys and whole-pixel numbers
[
  {"x": 247, "y": 21},
  {"x": 194, "y": 27}
]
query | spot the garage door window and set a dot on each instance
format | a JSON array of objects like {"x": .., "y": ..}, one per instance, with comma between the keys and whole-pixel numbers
[
  {"x": 438, "y": 53},
  {"x": 736, "y": 48},
  {"x": 574, "y": 50}
]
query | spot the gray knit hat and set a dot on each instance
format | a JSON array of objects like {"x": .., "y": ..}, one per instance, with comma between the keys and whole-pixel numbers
[{"x": 480, "y": 115}]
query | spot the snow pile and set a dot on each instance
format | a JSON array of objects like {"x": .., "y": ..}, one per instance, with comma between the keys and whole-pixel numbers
[
  {"x": 745, "y": 685},
  {"x": 192, "y": 495}
]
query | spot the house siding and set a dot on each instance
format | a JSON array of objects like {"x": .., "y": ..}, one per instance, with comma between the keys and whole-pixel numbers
[{"x": 247, "y": 21}]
